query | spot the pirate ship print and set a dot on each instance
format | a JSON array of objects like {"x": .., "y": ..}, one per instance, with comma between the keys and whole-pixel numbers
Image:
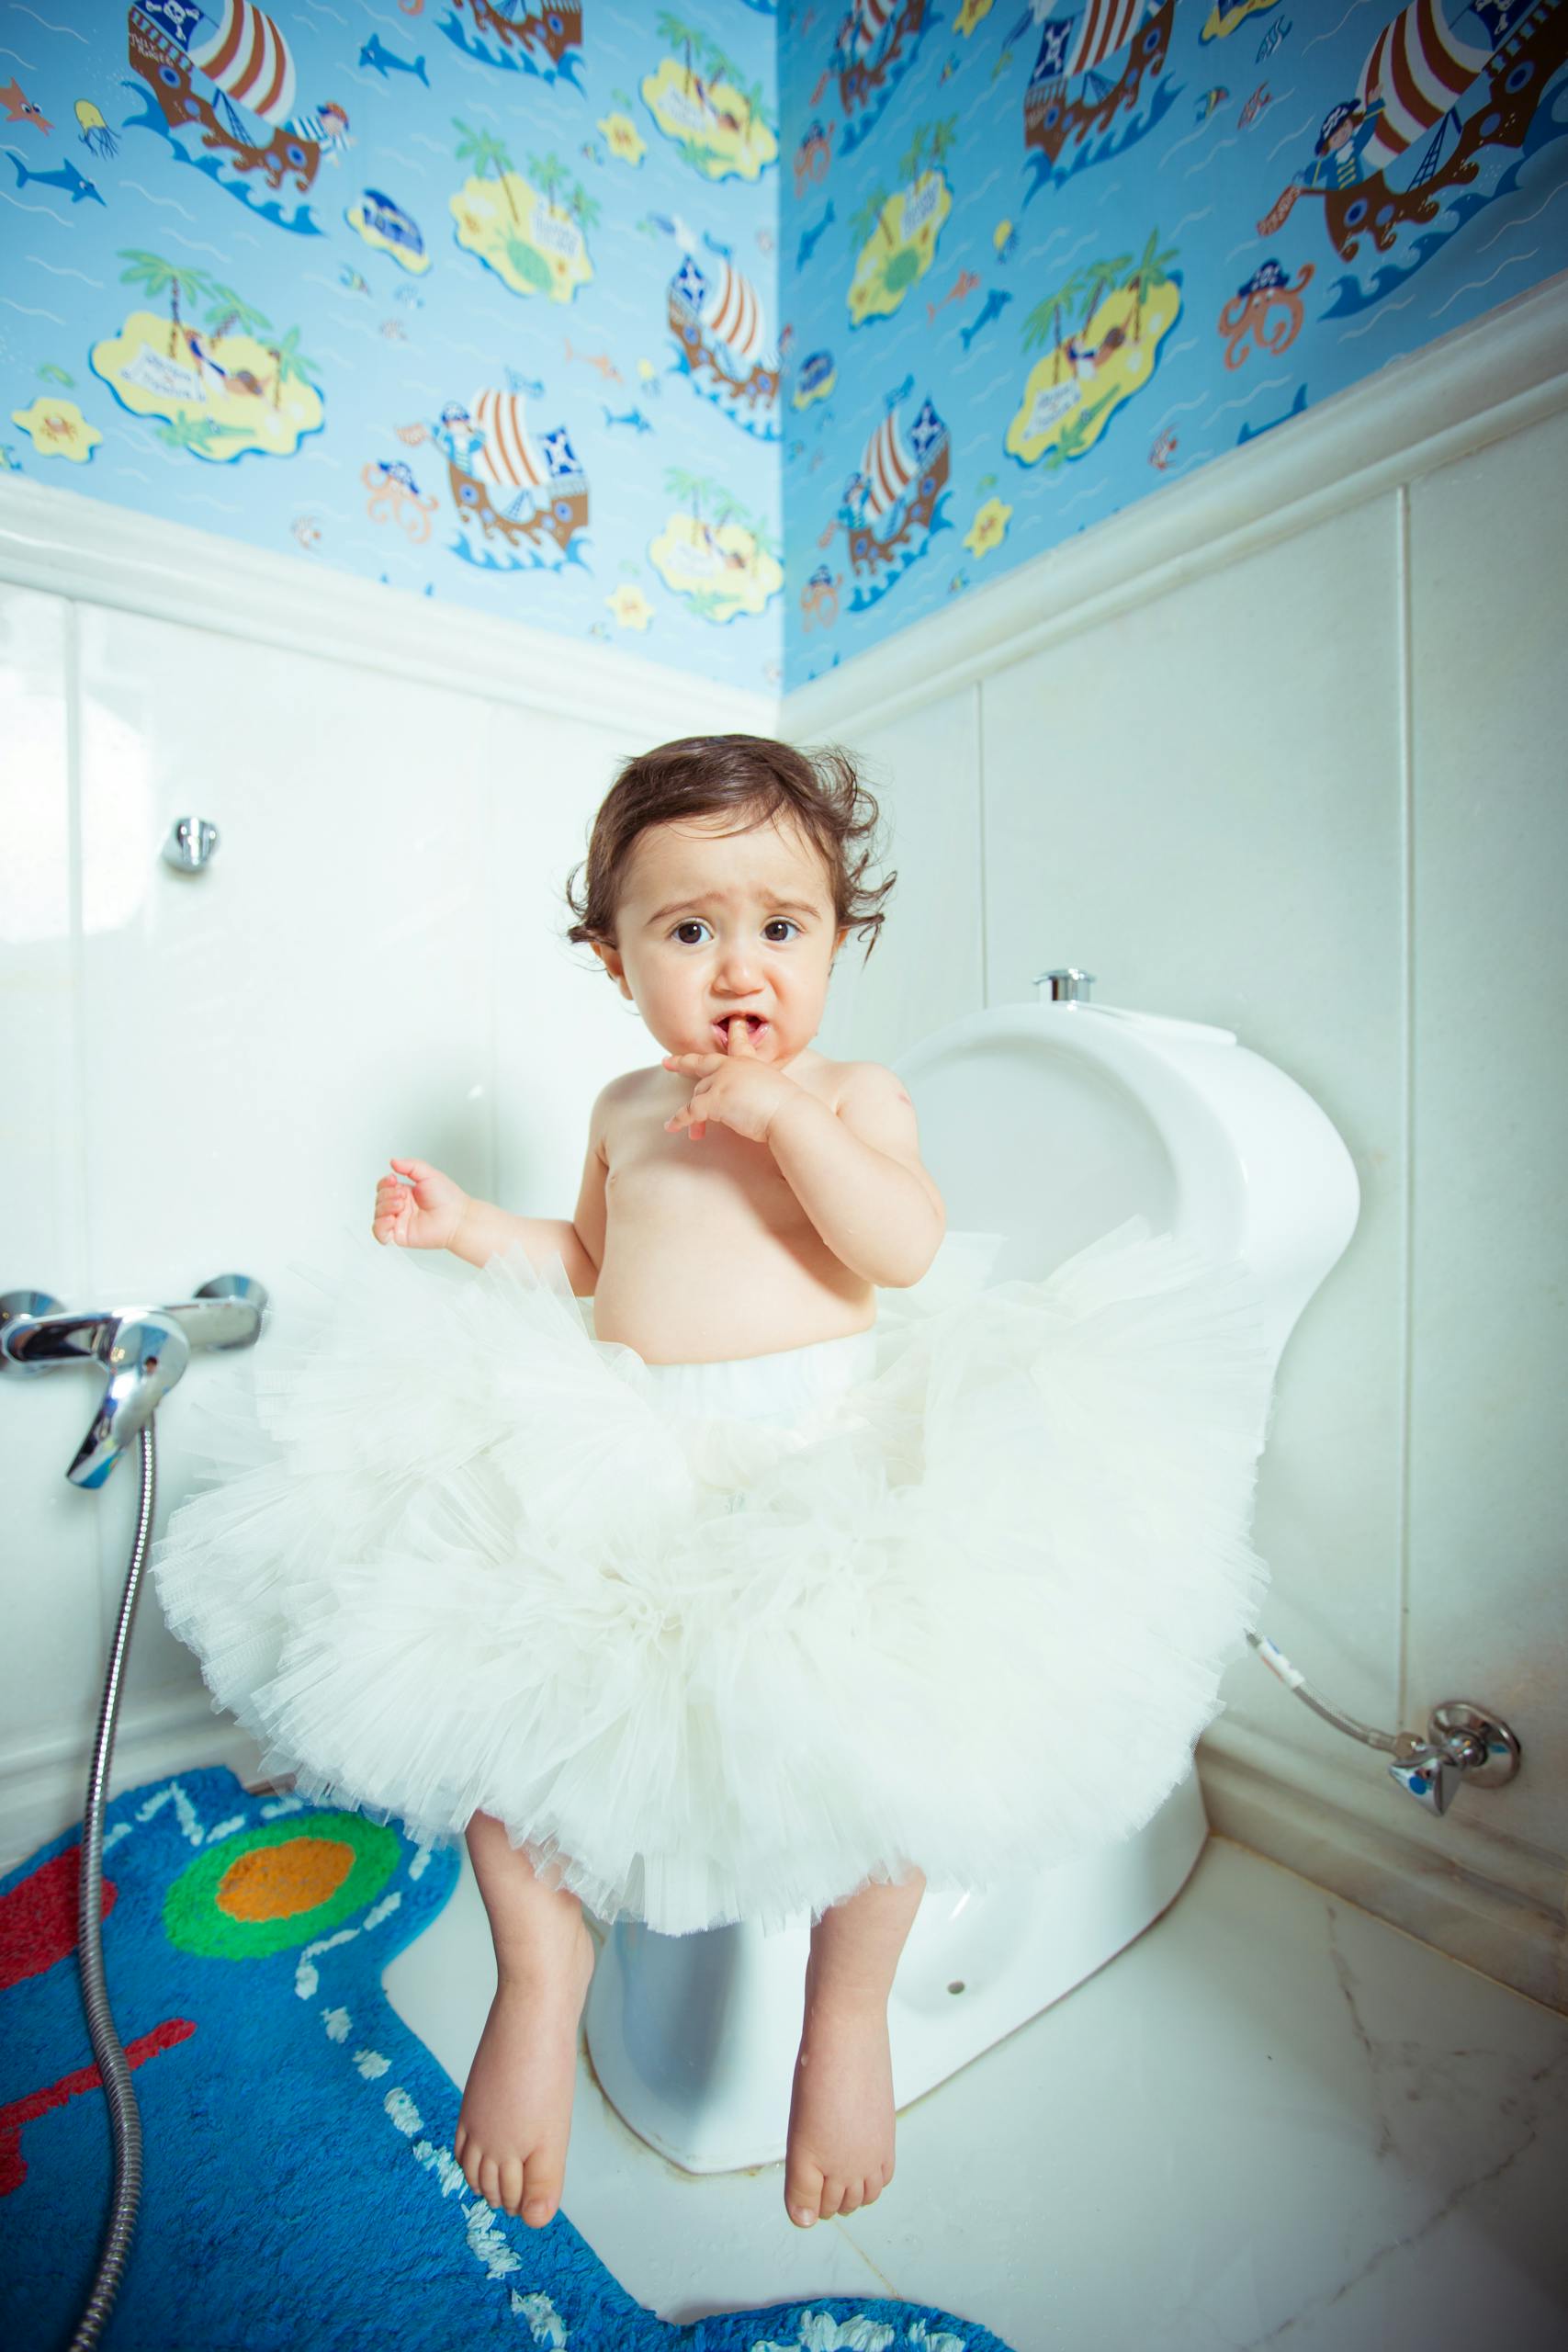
[
  {"x": 1420, "y": 75},
  {"x": 716, "y": 319},
  {"x": 1087, "y": 73},
  {"x": 891, "y": 509},
  {"x": 518, "y": 36},
  {"x": 225, "y": 70},
  {"x": 521, "y": 505},
  {"x": 876, "y": 43}
]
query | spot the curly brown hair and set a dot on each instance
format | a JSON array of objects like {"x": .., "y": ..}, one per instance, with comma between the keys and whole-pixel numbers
[{"x": 753, "y": 776}]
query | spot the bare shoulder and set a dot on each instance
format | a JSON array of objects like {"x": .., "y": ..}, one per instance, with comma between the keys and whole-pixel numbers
[
  {"x": 630, "y": 1083},
  {"x": 616, "y": 1098},
  {"x": 868, "y": 1084},
  {"x": 874, "y": 1103}
]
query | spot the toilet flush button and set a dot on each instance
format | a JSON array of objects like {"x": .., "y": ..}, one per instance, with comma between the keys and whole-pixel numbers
[
  {"x": 1066, "y": 983},
  {"x": 1069, "y": 984}
]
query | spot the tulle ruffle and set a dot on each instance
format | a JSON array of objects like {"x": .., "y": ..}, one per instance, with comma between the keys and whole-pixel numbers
[{"x": 969, "y": 1614}]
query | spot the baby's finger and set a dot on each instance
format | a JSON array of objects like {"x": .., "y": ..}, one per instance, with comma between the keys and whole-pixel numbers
[{"x": 740, "y": 1034}]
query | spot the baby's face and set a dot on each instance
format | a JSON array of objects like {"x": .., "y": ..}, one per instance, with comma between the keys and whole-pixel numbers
[{"x": 711, "y": 923}]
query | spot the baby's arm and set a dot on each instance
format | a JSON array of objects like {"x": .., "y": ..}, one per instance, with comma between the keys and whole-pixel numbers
[
  {"x": 418, "y": 1207},
  {"x": 483, "y": 1228},
  {"x": 857, "y": 1173}
]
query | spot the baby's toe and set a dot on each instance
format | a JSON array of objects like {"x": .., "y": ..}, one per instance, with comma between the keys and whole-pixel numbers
[
  {"x": 512, "y": 2184},
  {"x": 541, "y": 2196},
  {"x": 802, "y": 2193}
]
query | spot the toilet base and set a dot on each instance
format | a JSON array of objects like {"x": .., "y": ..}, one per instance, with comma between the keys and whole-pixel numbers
[{"x": 694, "y": 2038}]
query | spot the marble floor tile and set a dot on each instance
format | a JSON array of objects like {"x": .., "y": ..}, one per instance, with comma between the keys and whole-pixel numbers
[{"x": 1271, "y": 2120}]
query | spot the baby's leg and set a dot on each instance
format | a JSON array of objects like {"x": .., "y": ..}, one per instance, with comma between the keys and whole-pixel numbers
[
  {"x": 512, "y": 2134},
  {"x": 840, "y": 2112}
]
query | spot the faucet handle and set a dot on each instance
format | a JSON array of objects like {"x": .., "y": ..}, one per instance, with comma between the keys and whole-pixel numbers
[
  {"x": 1465, "y": 1742},
  {"x": 145, "y": 1348},
  {"x": 145, "y": 1355},
  {"x": 227, "y": 1312},
  {"x": 1430, "y": 1775}
]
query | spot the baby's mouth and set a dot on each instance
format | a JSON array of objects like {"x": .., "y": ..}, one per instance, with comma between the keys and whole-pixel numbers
[{"x": 754, "y": 1023}]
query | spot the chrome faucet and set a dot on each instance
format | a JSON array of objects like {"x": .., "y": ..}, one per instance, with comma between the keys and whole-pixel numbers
[{"x": 145, "y": 1348}]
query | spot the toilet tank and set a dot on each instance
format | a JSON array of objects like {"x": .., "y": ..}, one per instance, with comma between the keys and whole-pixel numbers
[{"x": 1051, "y": 1123}]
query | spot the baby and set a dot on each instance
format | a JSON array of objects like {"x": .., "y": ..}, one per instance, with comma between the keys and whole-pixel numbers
[{"x": 745, "y": 1195}]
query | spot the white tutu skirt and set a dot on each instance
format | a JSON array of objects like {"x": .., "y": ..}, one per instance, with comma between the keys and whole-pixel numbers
[{"x": 731, "y": 1641}]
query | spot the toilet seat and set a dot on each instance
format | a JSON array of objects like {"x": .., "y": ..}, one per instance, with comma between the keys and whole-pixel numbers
[{"x": 1053, "y": 1121}]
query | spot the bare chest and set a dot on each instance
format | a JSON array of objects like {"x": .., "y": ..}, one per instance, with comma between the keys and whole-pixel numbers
[
  {"x": 709, "y": 1252},
  {"x": 661, "y": 1177}
]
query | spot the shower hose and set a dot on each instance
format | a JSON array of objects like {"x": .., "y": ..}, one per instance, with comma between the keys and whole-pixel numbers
[{"x": 113, "y": 2069}]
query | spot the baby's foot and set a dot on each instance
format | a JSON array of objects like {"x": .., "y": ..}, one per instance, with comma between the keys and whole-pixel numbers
[
  {"x": 841, "y": 2112},
  {"x": 512, "y": 2134}
]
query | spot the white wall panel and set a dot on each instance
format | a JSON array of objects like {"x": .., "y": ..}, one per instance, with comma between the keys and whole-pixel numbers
[
  {"x": 926, "y": 968},
  {"x": 52, "y": 1660},
  {"x": 1488, "y": 1570},
  {"x": 259, "y": 1036},
  {"x": 562, "y": 1029}
]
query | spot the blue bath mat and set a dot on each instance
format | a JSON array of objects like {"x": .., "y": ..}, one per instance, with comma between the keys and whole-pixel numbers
[{"x": 300, "y": 2193}]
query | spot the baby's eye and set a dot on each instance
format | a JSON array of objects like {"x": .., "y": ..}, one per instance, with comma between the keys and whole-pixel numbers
[{"x": 694, "y": 922}]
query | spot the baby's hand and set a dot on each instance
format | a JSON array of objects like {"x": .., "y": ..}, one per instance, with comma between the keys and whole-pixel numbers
[
  {"x": 734, "y": 1090},
  {"x": 421, "y": 1214}
]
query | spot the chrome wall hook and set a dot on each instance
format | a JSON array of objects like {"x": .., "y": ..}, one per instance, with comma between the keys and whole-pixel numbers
[{"x": 191, "y": 844}]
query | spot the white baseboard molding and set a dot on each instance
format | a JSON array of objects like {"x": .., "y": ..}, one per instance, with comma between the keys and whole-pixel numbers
[
  {"x": 1490, "y": 379},
  {"x": 1337, "y": 1822},
  {"x": 43, "y": 1783}
]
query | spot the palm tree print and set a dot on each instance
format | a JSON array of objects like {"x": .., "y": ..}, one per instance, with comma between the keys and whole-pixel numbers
[
  {"x": 872, "y": 215},
  {"x": 1150, "y": 272},
  {"x": 159, "y": 278},
  {"x": 228, "y": 310},
  {"x": 290, "y": 364},
  {"x": 487, "y": 155},
  {"x": 679, "y": 483}
]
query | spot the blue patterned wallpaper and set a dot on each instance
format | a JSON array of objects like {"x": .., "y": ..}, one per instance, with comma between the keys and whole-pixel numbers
[
  {"x": 477, "y": 299},
  {"x": 1035, "y": 264},
  {"x": 738, "y": 343}
]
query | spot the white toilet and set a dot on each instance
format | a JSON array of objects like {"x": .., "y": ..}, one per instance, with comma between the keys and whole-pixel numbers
[{"x": 1050, "y": 1123}]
